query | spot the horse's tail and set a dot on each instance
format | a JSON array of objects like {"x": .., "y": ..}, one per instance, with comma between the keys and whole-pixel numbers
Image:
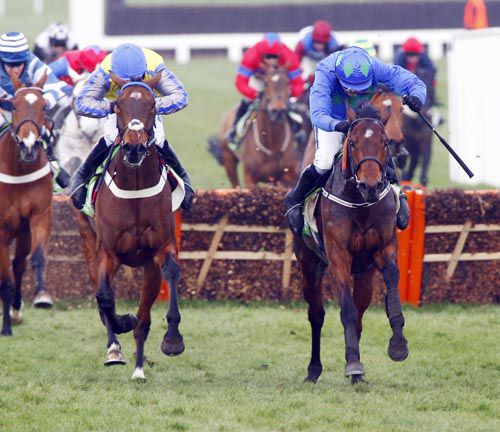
[{"x": 215, "y": 149}]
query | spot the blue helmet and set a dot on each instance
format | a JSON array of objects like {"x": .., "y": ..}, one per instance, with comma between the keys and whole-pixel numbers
[
  {"x": 354, "y": 68},
  {"x": 14, "y": 48},
  {"x": 128, "y": 62}
]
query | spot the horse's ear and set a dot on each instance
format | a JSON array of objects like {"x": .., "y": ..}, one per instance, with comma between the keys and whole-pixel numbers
[
  {"x": 120, "y": 82},
  {"x": 385, "y": 115},
  {"x": 16, "y": 82},
  {"x": 41, "y": 82},
  {"x": 153, "y": 82},
  {"x": 351, "y": 114}
]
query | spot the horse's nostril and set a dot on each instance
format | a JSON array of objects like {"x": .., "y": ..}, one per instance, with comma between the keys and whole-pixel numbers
[{"x": 362, "y": 187}]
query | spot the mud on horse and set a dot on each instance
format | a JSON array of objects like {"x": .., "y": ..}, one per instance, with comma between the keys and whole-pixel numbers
[
  {"x": 25, "y": 204},
  {"x": 356, "y": 216},
  {"x": 267, "y": 149},
  {"x": 134, "y": 225}
]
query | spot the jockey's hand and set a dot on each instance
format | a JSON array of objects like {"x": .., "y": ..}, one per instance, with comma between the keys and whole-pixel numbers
[
  {"x": 342, "y": 126},
  {"x": 187, "y": 203},
  {"x": 413, "y": 103}
]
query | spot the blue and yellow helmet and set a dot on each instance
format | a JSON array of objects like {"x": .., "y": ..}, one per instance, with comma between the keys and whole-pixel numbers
[
  {"x": 354, "y": 69},
  {"x": 128, "y": 62}
]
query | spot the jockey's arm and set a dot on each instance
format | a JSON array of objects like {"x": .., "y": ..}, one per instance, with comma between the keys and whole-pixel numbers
[
  {"x": 324, "y": 114},
  {"x": 300, "y": 51},
  {"x": 242, "y": 80},
  {"x": 174, "y": 96},
  {"x": 91, "y": 101},
  {"x": 295, "y": 76},
  {"x": 399, "y": 80},
  {"x": 53, "y": 88}
]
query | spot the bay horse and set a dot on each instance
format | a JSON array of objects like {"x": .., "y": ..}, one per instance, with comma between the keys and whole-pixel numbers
[
  {"x": 134, "y": 225},
  {"x": 356, "y": 217},
  {"x": 267, "y": 149},
  {"x": 26, "y": 199},
  {"x": 418, "y": 135}
]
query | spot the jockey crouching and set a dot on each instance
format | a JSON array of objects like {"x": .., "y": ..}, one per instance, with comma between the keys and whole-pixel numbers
[
  {"x": 98, "y": 98},
  {"x": 15, "y": 58},
  {"x": 348, "y": 76},
  {"x": 269, "y": 52}
]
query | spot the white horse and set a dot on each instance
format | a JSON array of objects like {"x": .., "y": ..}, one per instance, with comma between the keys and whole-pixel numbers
[{"x": 77, "y": 136}]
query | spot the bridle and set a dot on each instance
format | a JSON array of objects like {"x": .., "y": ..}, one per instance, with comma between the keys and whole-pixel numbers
[{"x": 350, "y": 144}]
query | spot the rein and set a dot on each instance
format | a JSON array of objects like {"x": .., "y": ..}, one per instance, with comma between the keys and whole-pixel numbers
[{"x": 260, "y": 146}]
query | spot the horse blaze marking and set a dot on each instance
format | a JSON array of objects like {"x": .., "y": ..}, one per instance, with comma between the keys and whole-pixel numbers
[
  {"x": 31, "y": 98},
  {"x": 30, "y": 139},
  {"x": 275, "y": 78},
  {"x": 136, "y": 95},
  {"x": 368, "y": 133},
  {"x": 135, "y": 125},
  {"x": 387, "y": 102}
]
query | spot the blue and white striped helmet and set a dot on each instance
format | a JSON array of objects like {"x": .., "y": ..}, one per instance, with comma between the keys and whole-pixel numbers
[{"x": 14, "y": 48}]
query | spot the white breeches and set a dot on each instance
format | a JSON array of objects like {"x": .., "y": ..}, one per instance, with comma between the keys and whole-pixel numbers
[
  {"x": 327, "y": 146},
  {"x": 111, "y": 130}
]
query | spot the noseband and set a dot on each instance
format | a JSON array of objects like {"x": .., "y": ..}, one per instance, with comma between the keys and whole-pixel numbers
[{"x": 355, "y": 168}]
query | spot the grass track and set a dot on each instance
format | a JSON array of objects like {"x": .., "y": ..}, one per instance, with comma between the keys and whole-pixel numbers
[{"x": 242, "y": 371}]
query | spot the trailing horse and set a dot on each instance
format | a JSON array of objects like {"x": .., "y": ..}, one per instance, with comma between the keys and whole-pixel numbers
[
  {"x": 356, "y": 221},
  {"x": 26, "y": 197},
  {"x": 267, "y": 149},
  {"x": 134, "y": 225}
]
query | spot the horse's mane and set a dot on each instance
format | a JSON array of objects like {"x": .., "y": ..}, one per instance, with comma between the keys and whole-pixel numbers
[{"x": 368, "y": 111}]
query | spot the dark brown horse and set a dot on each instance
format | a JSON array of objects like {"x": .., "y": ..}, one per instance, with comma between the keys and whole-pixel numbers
[
  {"x": 267, "y": 149},
  {"x": 25, "y": 203},
  {"x": 134, "y": 225},
  {"x": 356, "y": 216}
]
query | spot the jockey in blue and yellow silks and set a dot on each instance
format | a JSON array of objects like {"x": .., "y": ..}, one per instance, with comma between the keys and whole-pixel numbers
[
  {"x": 347, "y": 77},
  {"x": 98, "y": 98}
]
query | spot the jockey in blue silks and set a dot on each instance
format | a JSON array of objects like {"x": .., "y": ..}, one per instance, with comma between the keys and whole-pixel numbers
[
  {"x": 98, "y": 99},
  {"x": 349, "y": 77},
  {"x": 16, "y": 58}
]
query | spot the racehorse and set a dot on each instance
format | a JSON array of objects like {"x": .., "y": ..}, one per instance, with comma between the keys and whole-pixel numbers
[
  {"x": 77, "y": 136},
  {"x": 26, "y": 196},
  {"x": 381, "y": 99},
  {"x": 267, "y": 149},
  {"x": 418, "y": 135},
  {"x": 356, "y": 218},
  {"x": 134, "y": 225}
]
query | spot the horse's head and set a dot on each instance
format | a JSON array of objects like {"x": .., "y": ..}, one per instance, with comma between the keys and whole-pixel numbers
[
  {"x": 28, "y": 117},
  {"x": 368, "y": 150},
  {"x": 394, "y": 126},
  {"x": 276, "y": 93},
  {"x": 135, "y": 111}
]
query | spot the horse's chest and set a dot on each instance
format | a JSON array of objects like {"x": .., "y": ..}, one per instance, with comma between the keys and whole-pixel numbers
[{"x": 365, "y": 239}]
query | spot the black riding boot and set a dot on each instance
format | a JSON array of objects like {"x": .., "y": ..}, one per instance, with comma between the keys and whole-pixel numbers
[
  {"x": 82, "y": 175},
  {"x": 168, "y": 156},
  {"x": 61, "y": 175},
  {"x": 242, "y": 109},
  {"x": 403, "y": 216},
  {"x": 294, "y": 200}
]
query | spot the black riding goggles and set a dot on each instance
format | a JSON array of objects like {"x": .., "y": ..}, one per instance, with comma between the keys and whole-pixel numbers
[{"x": 15, "y": 64}]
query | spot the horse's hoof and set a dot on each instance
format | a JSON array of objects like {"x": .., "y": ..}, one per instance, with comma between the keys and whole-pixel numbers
[
  {"x": 358, "y": 378},
  {"x": 138, "y": 375},
  {"x": 172, "y": 346},
  {"x": 355, "y": 368},
  {"x": 313, "y": 373},
  {"x": 43, "y": 300},
  {"x": 16, "y": 316},
  {"x": 126, "y": 323},
  {"x": 398, "y": 348},
  {"x": 114, "y": 356}
]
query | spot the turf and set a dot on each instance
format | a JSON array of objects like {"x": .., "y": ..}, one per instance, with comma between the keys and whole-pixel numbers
[{"x": 243, "y": 369}]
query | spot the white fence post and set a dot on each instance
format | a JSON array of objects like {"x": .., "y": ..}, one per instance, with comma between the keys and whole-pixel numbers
[{"x": 38, "y": 7}]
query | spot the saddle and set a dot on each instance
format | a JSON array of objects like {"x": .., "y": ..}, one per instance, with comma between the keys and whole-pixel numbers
[{"x": 95, "y": 182}]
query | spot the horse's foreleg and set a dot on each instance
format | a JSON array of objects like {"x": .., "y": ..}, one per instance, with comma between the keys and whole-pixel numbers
[
  {"x": 386, "y": 261},
  {"x": 312, "y": 271},
  {"x": 231, "y": 164},
  {"x": 40, "y": 231},
  {"x": 114, "y": 354},
  {"x": 6, "y": 288},
  {"x": 23, "y": 246},
  {"x": 150, "y": 289},
  {"x": 362, "y": 295},
  {"x": 173, "y": 343},
  {"x": 106, "y": 298}
]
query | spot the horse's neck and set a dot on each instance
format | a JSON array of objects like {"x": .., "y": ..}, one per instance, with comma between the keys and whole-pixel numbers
[
  {"x": 339, "y": 186},
  {"x": 272, "y": 135},
  {"x": 135, "y": 178},
  {"x": 9, "y": 158}
]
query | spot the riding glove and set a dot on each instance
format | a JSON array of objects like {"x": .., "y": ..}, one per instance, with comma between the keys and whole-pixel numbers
[
  {"x": 342, "y": 126},
  {"x": 413, "y": 103}
]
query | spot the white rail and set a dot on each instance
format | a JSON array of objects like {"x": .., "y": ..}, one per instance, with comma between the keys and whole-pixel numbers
[{"x": 83, "y": 13}]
